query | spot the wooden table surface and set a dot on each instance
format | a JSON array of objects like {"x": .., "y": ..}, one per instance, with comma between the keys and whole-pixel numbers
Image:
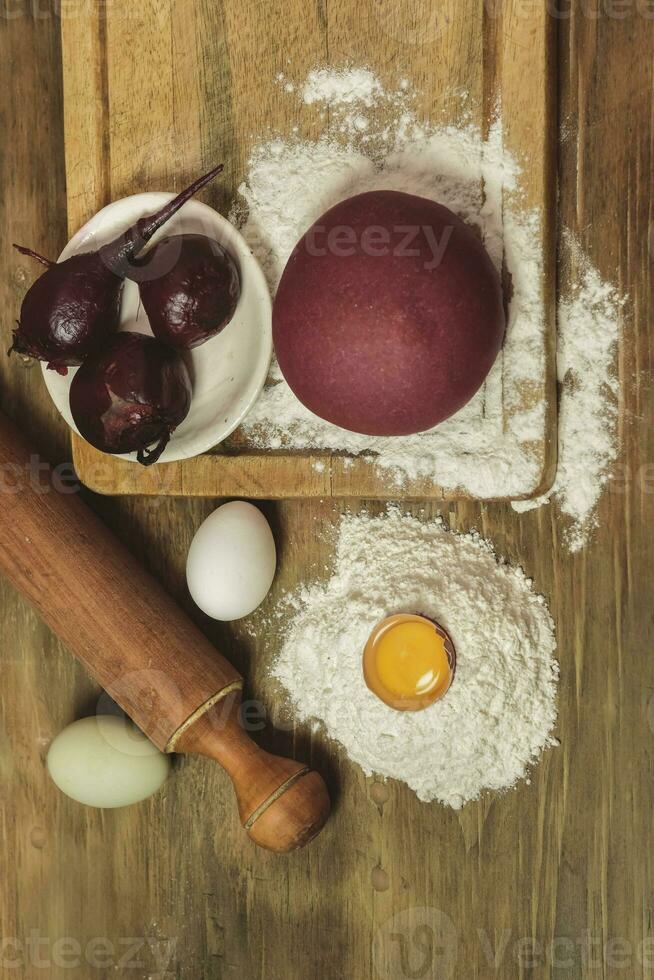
[{"x": 555, "y": 878}]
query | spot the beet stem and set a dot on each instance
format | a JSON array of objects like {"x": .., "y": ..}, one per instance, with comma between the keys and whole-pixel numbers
[
  {"x": 168, "y": 210},
  {"x": 124, "y": 248},
  {"x": 34, "y": 255}
]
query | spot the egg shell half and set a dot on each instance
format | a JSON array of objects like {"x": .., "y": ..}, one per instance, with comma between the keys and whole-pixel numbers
[{"x": 231, "y": 562}]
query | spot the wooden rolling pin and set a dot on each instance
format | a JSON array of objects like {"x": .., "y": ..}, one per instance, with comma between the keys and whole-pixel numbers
[{"x": 143, "y": 650}]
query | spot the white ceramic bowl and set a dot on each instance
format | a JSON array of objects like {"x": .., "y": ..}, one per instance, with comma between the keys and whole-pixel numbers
[{"x": 229, "y": 370}]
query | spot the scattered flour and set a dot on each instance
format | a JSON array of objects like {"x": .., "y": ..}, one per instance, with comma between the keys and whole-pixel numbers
[
  {"x": 480, "y": 451},
  {"x": 290, "y": 183},
  {"x": 343, "y": 87},
  {"x": 588, "y": 335},
  {"x": 499, "y": 713}
]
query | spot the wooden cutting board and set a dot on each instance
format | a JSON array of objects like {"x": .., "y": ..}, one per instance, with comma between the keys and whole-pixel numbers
[{"x": 203, "y": 87}]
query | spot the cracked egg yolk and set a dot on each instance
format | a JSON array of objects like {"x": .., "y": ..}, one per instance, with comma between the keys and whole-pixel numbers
[{"x": 408, "y": 662}]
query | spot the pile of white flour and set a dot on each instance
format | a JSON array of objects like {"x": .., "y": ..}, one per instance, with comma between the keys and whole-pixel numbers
[
  {"x": 375, "y": 141},
  {"x": 290, "y": 183},
  {"x": 497, "y": 717}
]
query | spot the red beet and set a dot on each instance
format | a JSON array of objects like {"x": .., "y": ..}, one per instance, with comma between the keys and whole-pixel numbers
[
  {"x": 130, "y": 396},
  {"x": 389, "y": 315},
  {"x": 189, "y": 289},
  {"x": 66, "y": 315},
  {"x": 69, "y": 312}
]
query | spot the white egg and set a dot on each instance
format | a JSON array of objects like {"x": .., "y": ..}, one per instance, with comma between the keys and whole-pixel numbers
[
  {"x": 105, "y": 761},
  {"x": 231, "y": 561}
]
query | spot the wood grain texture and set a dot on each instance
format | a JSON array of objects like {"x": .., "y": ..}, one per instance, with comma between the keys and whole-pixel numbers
[
  {"x": 565, "y": 861},
  {"x": 199, "y": 99},
  {"x": 140, "y": 646},
  {"x": 101, "y": 602}
]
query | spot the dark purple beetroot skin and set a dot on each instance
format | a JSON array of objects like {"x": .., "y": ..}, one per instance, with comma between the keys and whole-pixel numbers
[
  {"x": 389, "y": 315},
  {"x": 189, "y": 289},
  {"x": 71, "y": 310},
  {"x": 131, "y": 396}
]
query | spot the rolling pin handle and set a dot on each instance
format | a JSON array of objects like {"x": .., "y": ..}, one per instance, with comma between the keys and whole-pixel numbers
[{"x": 282, "y": 803}]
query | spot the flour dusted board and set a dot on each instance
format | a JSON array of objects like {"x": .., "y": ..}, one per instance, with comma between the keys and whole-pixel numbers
[{"x": 203, "y": 88}]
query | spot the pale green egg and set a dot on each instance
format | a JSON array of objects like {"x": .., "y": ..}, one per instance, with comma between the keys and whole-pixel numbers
[{"x": 105, "y": 761}]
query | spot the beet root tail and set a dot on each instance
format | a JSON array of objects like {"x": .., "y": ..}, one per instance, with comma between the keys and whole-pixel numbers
[
  {"x": 148, "y": 226},
  {"x": 33, "y": 255},
  {"x": 119, "y": 253},
  {"x": 149, "y": 456}
]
